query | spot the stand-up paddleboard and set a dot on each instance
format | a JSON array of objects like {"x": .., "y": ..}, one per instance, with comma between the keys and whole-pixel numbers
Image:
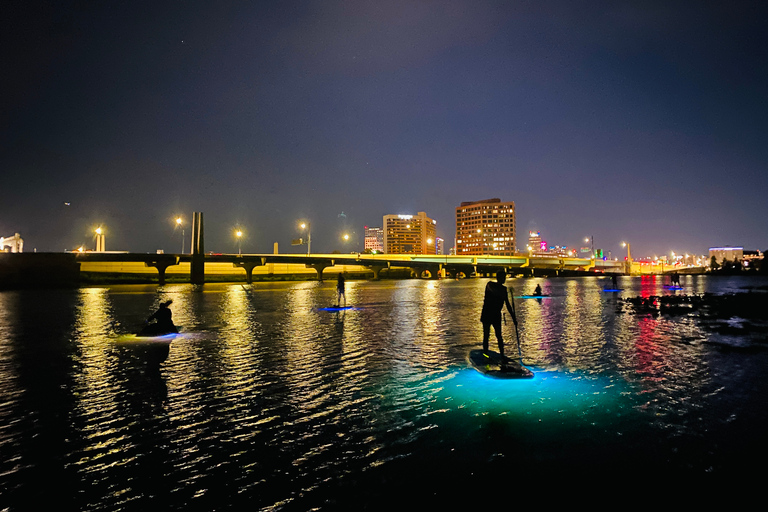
[
  {"x": 673, "y": 287},
  {"x": 613, "y": 289},
  {"x": 337, "y": 308},
  {"x": 160, "y": 338},
  {"x": 534, "y": 297},
  {"x": 490, "y": 364}
]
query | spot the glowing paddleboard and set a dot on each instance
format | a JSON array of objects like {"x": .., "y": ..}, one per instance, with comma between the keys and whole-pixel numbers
[
  {"x": 135, "y": 338},
  {"x": 490, "y": 364}
]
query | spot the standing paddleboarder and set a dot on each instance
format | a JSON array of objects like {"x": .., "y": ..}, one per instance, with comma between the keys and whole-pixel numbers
[
  {"x": 340, "y": 291},
  {"x": 496, "y": 297}
]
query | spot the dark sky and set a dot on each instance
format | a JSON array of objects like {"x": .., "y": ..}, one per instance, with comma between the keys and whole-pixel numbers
[{"x": 639, "y": 121}]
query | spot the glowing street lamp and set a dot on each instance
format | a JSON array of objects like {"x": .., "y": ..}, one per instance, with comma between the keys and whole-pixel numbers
[
  {"x": 179, "y": 223},
  {"x": 239, "y": 235},
  {"x": 308, "y": 227},
  {"x": 629, "y": 255}
]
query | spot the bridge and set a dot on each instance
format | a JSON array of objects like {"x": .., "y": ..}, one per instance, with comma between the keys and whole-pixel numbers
[
  {"x": 65, "y": 267},
  {"x": 431, "y": 266}
]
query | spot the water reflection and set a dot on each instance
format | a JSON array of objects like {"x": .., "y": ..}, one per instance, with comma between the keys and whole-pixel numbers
[{"x": 287, "y": 402}]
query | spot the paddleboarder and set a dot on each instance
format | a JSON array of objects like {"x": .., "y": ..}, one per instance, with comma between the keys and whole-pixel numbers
[
  {"x": 163, "y": 321},
  {"x": 537, "y": 291},
  {"x": 496, "y": 297},
  {"x": 340, "y": 291}
]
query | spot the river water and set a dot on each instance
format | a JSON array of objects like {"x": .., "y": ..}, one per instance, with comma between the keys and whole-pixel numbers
[{"x": 267, "y": 401}]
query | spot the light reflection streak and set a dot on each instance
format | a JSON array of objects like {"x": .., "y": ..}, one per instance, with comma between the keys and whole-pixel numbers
[
  {"x": 266, "y": 391},
  {"x": 97, "y": 384}
]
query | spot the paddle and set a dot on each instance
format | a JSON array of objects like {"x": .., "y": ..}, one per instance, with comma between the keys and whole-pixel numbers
[{"x": 517, "y": 334}]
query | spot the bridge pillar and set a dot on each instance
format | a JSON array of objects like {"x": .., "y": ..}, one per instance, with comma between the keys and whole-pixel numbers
[
  {"x": 248, "y": 266},
  {"x": 319, "y": 267},
  {"x": 197, "y": 265},
  {"x": 376, "y": 269},
  {"x": 161, "y": 264}
]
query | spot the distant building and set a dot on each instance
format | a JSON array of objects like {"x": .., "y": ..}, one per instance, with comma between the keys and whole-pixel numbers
[
  {"x": 726, "y": 253},
  {"x": 374, "y": 239},
  {"x": 735, "y": 253},
  {"x": 535, "y": 243},
  {"x": 440, "y": 246},
  {"x": 486, "y": 227},
  {"x": 410, "y": 234},
  {"x": 12, "y": 243}
]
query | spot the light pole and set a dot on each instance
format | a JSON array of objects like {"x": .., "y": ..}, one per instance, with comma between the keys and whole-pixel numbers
[
  {"x": 179, "y": 224},
  {"x": 629, "y": 257},
  {"x": 239, "y": 235},
  {"x": 591, "y": 239},
  {"x": 308, "y": 227}
]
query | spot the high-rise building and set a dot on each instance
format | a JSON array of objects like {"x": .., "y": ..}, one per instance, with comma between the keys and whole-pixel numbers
[
  {"x": 409, "y": 234},
  {"x": 440, "y": 246},
  {"x": 374, "y": 239},
  {"x": 535, "y": 243},
  {"x": 486, "y": 227}
]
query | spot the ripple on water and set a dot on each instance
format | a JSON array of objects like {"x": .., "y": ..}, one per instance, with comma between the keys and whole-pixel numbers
[{"x": 271, "y": 401}]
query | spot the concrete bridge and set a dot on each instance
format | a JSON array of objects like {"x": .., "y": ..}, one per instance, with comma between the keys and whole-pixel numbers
[{"x": 431, "y": 266}]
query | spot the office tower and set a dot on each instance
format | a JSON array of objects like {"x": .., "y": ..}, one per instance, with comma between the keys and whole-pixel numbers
[
  {"x": 409, "y": 234},
  {"x": 486, "y": 227}
]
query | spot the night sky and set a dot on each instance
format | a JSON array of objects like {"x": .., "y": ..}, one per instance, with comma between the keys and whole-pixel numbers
[{"x": 638, "y": 121}]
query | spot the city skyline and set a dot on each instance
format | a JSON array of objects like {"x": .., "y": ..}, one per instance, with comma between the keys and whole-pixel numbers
[{"x": 640, "y": 122}]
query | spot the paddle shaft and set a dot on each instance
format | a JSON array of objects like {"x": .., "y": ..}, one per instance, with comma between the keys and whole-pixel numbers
[{"x": 517, "y": 334}]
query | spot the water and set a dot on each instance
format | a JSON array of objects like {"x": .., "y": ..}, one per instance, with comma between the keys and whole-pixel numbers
[{"x": 268, "y": 402}]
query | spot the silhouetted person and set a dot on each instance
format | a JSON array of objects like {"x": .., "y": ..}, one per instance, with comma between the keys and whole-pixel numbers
[
  {"x": 537, "y": 291},
  {"x": 340, "y": 291},
  {"x": 161, "y": 322},
  {"x": 614, "y": 282},
  {"x": 496, "y": 297}
]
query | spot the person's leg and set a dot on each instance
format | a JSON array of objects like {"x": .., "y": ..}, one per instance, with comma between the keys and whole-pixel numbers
[
  {"x": 486, "y": 335},
  {"x": 497, "y": 330}
]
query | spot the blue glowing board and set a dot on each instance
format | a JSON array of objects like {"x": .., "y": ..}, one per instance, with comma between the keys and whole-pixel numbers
[
  {"x": 490, "y": 364},
  {"x": 135, "y": 338},
  {"x": 673, "y": 287},
  {"x": 613, "y": 289},
  {"x": 335, "y": 308},
  {"x": 534, "y": 297}
]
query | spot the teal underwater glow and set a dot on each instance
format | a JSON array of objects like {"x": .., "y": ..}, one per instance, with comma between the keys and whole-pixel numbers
[{"x": 549, "y": 394}]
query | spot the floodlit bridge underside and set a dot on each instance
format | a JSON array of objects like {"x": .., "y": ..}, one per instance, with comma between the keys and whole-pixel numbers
[{"x": 431, "y": 266}]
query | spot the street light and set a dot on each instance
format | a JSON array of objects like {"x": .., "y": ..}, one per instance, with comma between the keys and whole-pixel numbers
[
  {"x": 629, "y": 255},
  {"x": 308, "y": 227},
  {"x": 591, "y": 239},
  {"x": 179, "y": 224},
  {"x": 239, "y": 235}
]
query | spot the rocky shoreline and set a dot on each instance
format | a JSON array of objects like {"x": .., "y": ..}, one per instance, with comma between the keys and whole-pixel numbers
[{"x": 741, "y": 314}]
